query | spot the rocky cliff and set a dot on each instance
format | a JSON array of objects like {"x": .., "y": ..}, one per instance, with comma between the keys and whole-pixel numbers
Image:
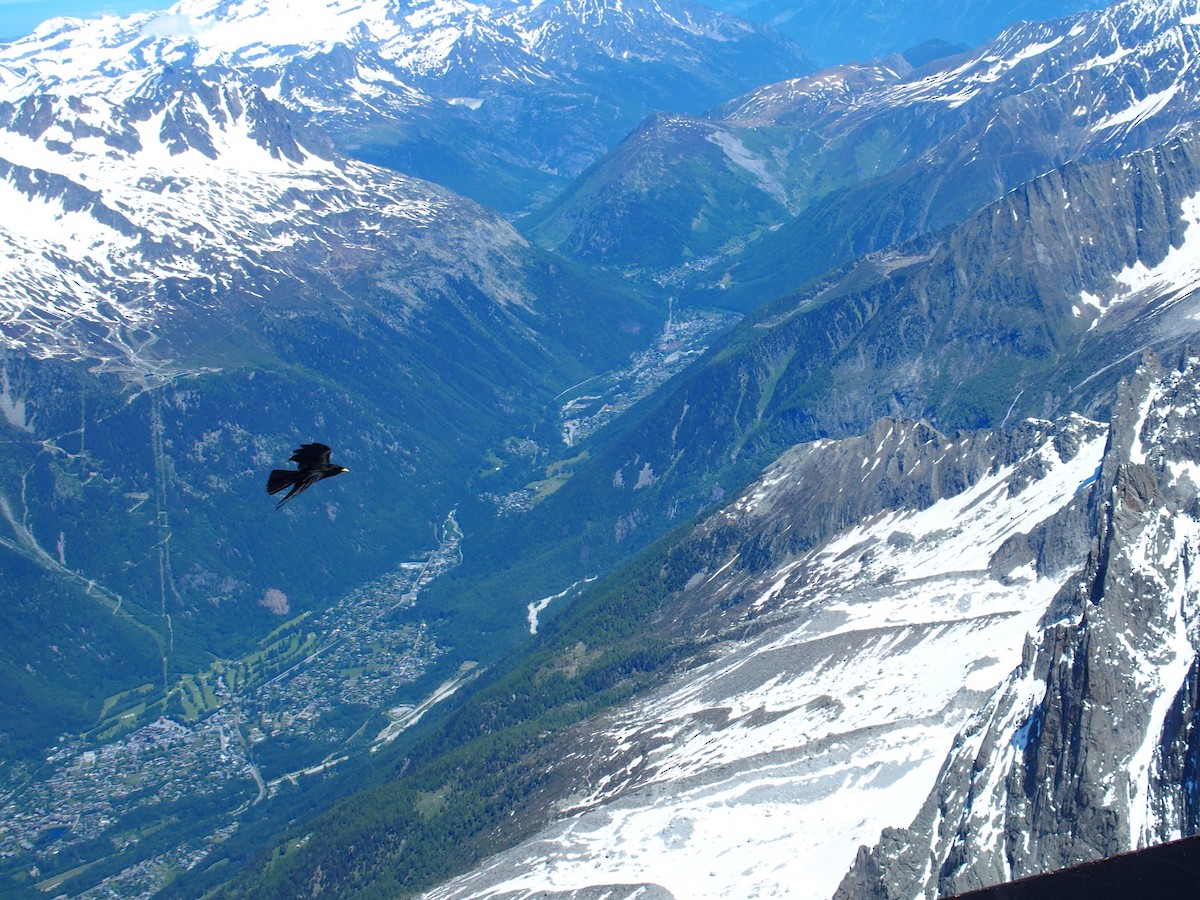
[{"x": 1089, "y": 747}]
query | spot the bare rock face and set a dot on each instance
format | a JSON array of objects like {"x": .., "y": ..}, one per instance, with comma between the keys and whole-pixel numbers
[{"x": 1088, "y": 749}]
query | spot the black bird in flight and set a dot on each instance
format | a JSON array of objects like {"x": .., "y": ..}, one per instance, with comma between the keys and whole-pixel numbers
[{"x": 313, "y": 464}]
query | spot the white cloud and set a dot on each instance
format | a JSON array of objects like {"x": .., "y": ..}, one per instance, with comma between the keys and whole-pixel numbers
[{"x": 169, "y": 25}]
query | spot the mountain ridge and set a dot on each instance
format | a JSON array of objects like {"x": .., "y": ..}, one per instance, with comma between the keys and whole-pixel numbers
[
  {"x": 403, "y": 88},
  {"x": 868, "y": 29},
  {"x": 875, "y": 153},
  {"x": 1051, "y": 313}
]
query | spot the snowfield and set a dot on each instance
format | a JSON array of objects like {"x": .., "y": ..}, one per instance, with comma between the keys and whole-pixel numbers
[{"x": 760, "y": 774}]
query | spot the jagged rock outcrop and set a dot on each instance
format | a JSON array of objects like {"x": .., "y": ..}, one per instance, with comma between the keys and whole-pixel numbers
[{"x": 1087, "y": 750}]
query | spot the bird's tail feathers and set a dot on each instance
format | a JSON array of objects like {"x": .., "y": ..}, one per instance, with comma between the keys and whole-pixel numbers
[{"x": 280, "y": 479}]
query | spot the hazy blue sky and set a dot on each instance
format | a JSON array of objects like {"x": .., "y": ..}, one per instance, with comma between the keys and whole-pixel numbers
[{"x": 18, "y": 17}]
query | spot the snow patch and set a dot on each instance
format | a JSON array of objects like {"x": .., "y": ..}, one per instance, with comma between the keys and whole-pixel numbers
[
  {"x": 1138, "y": 111},
  {"x": 535, "y": 608},
  {"x": 1177, "y": 275},
  {"x": 12, "y": 406},
  {"x": 1163, "y": 668}
]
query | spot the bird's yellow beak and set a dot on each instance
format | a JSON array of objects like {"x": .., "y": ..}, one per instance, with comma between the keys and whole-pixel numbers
[{"x": 344, "y": 469}]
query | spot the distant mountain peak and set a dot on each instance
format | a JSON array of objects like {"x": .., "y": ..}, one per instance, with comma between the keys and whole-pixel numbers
[
  {"x": 431, "y": 87},
  {"x": 866, "y": 154},
  {"x": 422, "y": 40}
]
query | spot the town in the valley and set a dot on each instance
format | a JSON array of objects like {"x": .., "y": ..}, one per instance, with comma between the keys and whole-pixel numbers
[{"x": 309, "y": 700}]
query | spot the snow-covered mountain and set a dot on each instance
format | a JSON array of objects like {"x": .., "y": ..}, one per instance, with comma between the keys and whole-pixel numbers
[
  {"x": 840, "y": 674},
  {"x": 436, "y": 43},
  {"x": 198, "y": 199},
  {"x": 990, "y": 634},
  {"x": 1087, "y": 749},
  {"x": 980, "y": 645},
  {"x": 439, "y": 45},
  {"x": 401, "y": 84},
  {"x": 177, "y": 168},
  {"x": 179, "y": 165},
  {"x": 165, "y": 173}
]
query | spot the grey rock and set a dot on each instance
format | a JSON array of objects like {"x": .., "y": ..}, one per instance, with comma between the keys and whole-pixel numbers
[{"x": 1090, "y": 748}]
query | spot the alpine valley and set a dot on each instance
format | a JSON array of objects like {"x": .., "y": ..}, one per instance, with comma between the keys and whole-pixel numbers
[{"x": 764, "y": 481}]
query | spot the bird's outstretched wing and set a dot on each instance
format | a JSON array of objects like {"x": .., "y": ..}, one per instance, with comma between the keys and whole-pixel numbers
[{"x": 311, "y": 456}]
